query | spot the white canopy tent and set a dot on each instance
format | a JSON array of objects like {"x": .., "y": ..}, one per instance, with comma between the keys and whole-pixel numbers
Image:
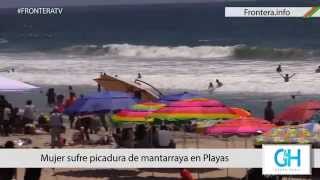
[{"x": 10, "y": 85}]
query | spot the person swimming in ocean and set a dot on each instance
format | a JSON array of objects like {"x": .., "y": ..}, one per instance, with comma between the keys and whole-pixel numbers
[
  {"x": 279, "y": 68},
  {"x": 219, "y": 83},
  {"x": 286, "y": 77},
  {"x": 318, "y": 70},
  {"x": 139, "y": 76},
  {"x": 210, "y": 85},
  {"x": 211, "y": 88}
]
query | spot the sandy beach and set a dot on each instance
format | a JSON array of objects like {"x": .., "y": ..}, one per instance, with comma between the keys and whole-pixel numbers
[
  {"x": 183, "y": 140},
  {"x": 190, "y": 141}
]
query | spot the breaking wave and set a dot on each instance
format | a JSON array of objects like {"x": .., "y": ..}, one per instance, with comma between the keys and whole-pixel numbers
[{"x": 197, "y": 52}]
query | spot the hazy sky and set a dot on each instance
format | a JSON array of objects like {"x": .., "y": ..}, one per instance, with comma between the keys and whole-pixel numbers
[{"x": 57, "y": 3}]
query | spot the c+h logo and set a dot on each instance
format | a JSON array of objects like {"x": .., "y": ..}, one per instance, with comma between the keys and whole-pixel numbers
[{"x": 283, "y": 157}]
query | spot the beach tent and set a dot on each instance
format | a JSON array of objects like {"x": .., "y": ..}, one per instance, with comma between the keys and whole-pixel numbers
[
  {"x": 101, "y": 102},
  {"x": 299, "y": 113},
  {"x": 10, "y": 85}
]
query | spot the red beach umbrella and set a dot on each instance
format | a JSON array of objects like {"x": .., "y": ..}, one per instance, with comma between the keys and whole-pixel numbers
[{"x": 298, "y": 113}]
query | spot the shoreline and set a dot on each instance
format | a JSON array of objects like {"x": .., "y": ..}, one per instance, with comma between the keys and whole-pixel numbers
[{"x": 255, "y": 102}]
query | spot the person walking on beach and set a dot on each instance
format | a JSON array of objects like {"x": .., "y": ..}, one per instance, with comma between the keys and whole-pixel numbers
[
  {"x": 51, "y": 96},
  {"x": 56, "y": 124},
  {"x": 279, "y": 69},
  {"x": 268, "y": 112},
  {"x": 286, "y": 77},
  {"x": 6, "y": 120}
]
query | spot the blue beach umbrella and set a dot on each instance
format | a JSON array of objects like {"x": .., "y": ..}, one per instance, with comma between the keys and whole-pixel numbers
[
  {"x": 176, "y": 97},
  {"x": 101, "y": 102}
]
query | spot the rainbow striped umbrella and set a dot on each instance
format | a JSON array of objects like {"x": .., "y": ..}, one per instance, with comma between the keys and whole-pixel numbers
[
  {"x": 193, "y": 109},
  {"x": 131, "y": 116},
  {"x": 148, "y": 106},
  {"x": 192, "y": 113},
  {"x": 197, "y": 102}
]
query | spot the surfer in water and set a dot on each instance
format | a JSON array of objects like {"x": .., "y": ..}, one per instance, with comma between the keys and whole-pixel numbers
[
  {"x": 286, "y": 77},
  {"x": 279, "y": 68},
  {"x": 318, "y": 70}
]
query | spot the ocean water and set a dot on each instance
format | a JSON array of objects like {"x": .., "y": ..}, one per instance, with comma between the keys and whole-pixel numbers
[{"x": 175, "y": 47}]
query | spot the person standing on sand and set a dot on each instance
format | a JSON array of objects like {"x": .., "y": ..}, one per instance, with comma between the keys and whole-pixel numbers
[
  {"x": 28, "y": 114},
  {"x": 56, "y": 124},
  {"x": 268, "y": 112},
  {"x": 69, "y": 102},
  {"x": 51, "y": 96},
  {"x": 6, "y": 120}
]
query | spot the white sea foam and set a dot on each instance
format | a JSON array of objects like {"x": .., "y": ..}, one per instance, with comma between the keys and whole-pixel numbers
[
  {"x": 140, "y": 51},
  {"x": 238, "y": 76},
  {"x": 169, "y": 52},
  {"x": 187, "y": 52}
]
